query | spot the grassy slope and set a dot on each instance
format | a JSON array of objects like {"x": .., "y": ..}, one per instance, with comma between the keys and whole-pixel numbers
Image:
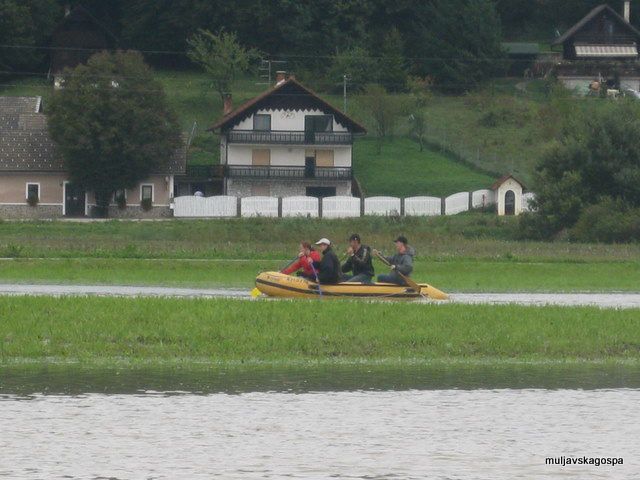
[
  {"x": 457, "y": 122},
  {"x": 400, "y": 169},
  {"x": 112, "y": 330},
  {"x": 449, "y": 275}
]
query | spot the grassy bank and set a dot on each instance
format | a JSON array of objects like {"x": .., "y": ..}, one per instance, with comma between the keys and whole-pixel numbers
[
  {"x": 455, "y": 275},
  {"x": 465, "y": 236},
  {"x": 157, "y": 331},
  {"x": 409, "y": 172}
]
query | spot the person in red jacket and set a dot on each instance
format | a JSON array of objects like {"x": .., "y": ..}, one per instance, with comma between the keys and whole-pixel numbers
[{"x": 305, "y": 260}]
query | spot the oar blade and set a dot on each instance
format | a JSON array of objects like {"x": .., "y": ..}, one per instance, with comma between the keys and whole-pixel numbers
[{"x": 255, "y": 293}]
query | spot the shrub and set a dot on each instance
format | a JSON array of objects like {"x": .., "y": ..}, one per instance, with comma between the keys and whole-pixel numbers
[
  {"x": 607, "y": 221},
  {"x": 146, "y": 204},
  {"x": 32, "y": 199},
  {"x": 121, "y": 201}
]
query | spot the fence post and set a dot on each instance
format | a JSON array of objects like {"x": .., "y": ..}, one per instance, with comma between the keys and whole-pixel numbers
[
  {"x": 470, "y": 200},
  {"x": 402, "y": 207},
  {"x": 279, "y": 207},
  {"x": 443, "y": 206},
  {"x": 320, "y": 203},
  {"x": 362, "y": 210},
  {"x": 239, "y": 207}
]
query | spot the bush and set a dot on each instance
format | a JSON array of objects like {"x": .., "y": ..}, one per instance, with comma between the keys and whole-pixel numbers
[
  {"x": 121, "y": 201},
  {"x": 146, "y": 204},
  {"x": 608, "y": 221},
  {"x": 32, "y": 199}
]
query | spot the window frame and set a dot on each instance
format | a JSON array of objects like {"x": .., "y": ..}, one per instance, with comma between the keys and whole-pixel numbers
[
  {"x": 331, "y": 119},
  {"x": 26, "y": 190},
  {"x": 153, "y": 191},
  {"x": 261, "y": 115}
]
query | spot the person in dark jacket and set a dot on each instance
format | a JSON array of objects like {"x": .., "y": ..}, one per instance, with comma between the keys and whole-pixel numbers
[
  {"x": 359, "y": 261},
  {"x": 329, "y": 267},
  {"x": 401, "y": 262}
]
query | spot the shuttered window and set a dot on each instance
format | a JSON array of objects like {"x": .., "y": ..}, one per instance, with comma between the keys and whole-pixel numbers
[{"x": 261, "y": 157}]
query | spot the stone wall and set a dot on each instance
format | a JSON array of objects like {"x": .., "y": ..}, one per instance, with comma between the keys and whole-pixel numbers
[
  {"x": 281, "y": 188},
  {"x": 30, "y": 213},
  {"x": 136, "y": 211}
]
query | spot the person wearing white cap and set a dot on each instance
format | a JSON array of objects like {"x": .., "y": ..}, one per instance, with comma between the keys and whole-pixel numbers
[{"x": 329, "y": 267}]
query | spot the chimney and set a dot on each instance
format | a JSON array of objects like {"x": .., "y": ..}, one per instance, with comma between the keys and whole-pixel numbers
[
  {"x": 627, "y": 11},
  {"x": 280, "y": 76},
  {"x": 227, "y": 104}
]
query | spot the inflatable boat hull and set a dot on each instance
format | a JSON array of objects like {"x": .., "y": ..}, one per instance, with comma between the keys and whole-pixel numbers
[{"x": 275, "y": 284}]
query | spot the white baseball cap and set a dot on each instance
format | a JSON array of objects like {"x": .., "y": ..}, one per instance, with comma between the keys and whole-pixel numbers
[{"x": 324, "y": 241}]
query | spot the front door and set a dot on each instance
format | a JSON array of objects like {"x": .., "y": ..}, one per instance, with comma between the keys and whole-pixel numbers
[
  {"x": 509, "y": 203},
  {"x": 74, "y": 200}
]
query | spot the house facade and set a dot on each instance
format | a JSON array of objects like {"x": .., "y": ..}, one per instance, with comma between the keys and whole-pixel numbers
[
  {"x": 600, "y": 52},
  {"x": 287, "y": 142},
  {"x": 35, "y": 184}
]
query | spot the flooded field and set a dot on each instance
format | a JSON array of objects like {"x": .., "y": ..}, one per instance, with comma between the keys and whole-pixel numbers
[{"x": 344, "y": 422}]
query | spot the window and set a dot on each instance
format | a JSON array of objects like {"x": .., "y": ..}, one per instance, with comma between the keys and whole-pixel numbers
[
  {"x": 261, "y": 157},
  {"x": 146, "y": 192},
  {"x": 119, "y": 194},
  {"x": 262, "y": 122},
  {"x": 318, "y": 123},
  {"x": 33, "y": 191}
]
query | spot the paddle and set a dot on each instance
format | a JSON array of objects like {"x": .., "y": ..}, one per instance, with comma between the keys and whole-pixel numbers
[
  {"x": 410, "y": 282},
  {"x": 256, "y": 293}
]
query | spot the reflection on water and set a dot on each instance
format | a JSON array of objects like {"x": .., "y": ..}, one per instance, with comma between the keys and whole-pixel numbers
[
  {"x": 436, "y": 422},
  {"x": 71, "y": 380}
]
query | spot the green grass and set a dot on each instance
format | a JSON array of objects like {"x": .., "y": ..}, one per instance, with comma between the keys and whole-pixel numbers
[
  {"x": 113, "y": 330},
  {"x": 409, "y": 172},
  {"x": 449, "y": 275},
  {"x": 459, "y": 237}
]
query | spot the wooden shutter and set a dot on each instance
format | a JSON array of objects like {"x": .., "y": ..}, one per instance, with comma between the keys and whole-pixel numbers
[
  {"x": 324, "y": 158},
  {"x": 261, "y": 157}
]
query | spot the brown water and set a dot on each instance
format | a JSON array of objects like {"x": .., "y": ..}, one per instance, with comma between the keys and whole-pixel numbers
[{"x": 441, "y": 422}]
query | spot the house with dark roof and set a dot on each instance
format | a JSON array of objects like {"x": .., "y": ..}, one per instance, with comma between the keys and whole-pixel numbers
[
  {"x": 600, "y": 51},
  {"x": 287, "y": 142},
  {"x": 35, "y": 184},
  {"x": 78, "y": 36}
]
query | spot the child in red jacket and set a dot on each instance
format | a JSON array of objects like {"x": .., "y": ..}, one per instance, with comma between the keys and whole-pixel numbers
[{"x": 306, "y": 257}]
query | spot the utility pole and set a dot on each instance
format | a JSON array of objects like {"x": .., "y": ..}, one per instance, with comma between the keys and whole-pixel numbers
[{"x": 344, "y": 93}]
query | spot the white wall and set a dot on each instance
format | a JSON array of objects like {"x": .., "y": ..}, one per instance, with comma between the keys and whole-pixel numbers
[
  {"x": 220, "y": 206},
  {"x": 259, "y": 207},
  {"x": 456, "y": 203},
  {"x": 340, "y": 207},
  {"x": 289, "y": 120},
  {"x": 422, "y": 206},
  {"x": 382, "y": 206},
  {"x": 300, "y": 207},
  {"x": 483, "y": 198}
]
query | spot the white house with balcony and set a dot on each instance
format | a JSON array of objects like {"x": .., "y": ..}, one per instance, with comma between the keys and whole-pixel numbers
[{"x": 286, "y": 142}]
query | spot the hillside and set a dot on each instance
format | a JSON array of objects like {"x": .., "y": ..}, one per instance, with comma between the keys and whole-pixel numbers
[{"x": 501, "y": 129}]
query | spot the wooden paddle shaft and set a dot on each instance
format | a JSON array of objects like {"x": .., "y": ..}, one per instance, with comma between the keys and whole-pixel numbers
[{"x": 413, "y": 284}]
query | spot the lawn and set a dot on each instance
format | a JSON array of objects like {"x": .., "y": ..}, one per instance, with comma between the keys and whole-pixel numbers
[
  {"x": 409, "y": 172},
  {"x": 465, "y": 236},
  {"x": 453, "y": 275},
  {"x": 111, "y": 331}
]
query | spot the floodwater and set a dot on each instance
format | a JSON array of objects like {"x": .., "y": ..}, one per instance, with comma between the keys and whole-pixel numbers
[
  {"x": 602, "y": 300},
  {"x": 436, "y": 422}
]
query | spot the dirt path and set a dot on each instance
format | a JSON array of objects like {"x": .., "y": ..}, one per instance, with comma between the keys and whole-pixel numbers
[{"x": 602, "y": 300}]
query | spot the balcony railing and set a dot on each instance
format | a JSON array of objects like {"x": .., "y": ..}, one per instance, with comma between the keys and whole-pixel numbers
[
  {"x": 205, "y": 171},
  {"x": 280, "y": 137},
  {"x": 325, "y": 173}
]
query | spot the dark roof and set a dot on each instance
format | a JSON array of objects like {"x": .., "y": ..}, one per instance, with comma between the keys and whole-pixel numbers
[
  {"x": 503, "y": 179},
  {"x": 25, "y": 144},
  {"x": 11, "y": 105},
  {"x": 590, "y": 16},
  {"x": 289, "y": 95}
]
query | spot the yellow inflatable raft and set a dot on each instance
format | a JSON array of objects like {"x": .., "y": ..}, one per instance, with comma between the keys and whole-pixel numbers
[{"x": 275, "y": 284}]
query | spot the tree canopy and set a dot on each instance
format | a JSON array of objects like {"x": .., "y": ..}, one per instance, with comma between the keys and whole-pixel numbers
[{"x": 112, "y": 124}]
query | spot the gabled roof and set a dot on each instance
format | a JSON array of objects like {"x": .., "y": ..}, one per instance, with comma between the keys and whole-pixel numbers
[
  {"x": 590, "y": 16},
  {"x": 503, "y": 179},
  {"x": 11, "y": 105},
  {"x": 290, "y": 95}
]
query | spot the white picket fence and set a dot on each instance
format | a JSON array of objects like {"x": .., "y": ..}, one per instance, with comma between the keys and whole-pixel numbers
[{"x": 334, "y": 207}]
